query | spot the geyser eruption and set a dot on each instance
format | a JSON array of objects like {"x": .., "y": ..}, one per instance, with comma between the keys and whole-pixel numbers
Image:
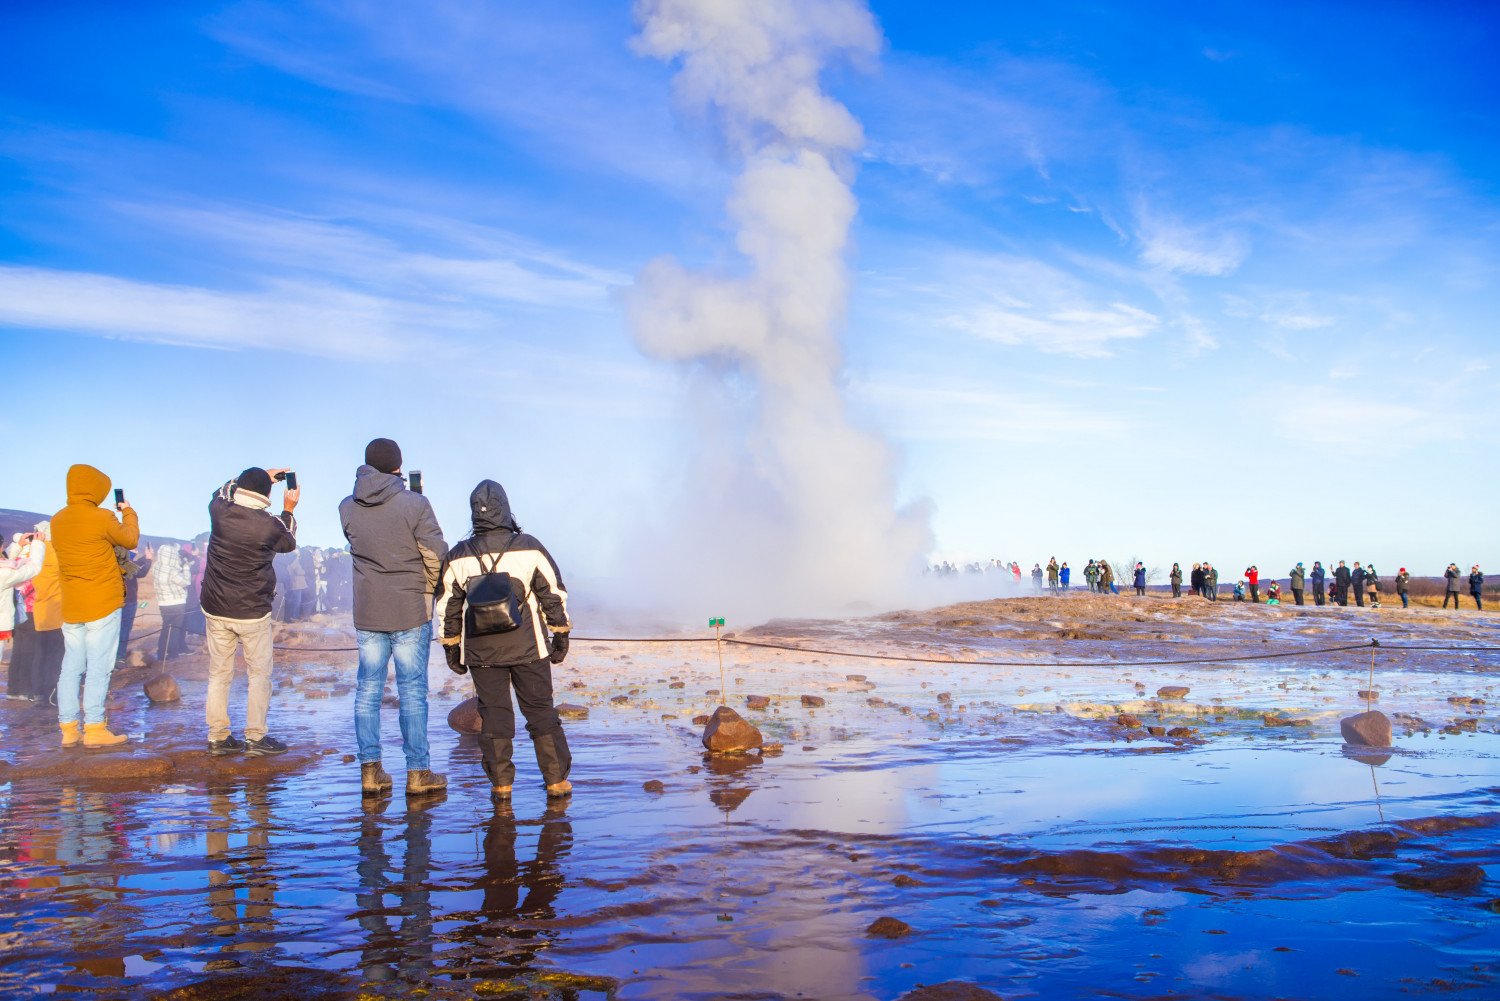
[{"x": 787, "y": 506}]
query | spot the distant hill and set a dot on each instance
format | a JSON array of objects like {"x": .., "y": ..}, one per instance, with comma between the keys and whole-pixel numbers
[{"x": 12, "y": 522}]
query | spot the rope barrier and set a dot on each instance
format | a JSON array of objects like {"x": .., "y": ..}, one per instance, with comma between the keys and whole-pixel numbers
[{"x": 910, "y": 659}]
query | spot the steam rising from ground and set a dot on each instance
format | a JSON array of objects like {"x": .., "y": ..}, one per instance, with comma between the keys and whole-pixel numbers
[{"x": 786, "y": 505}]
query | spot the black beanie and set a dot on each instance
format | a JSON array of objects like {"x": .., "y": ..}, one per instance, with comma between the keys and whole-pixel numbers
[
  {"x": 384, "y": 455},
  {"x": 255, "y": 479}
]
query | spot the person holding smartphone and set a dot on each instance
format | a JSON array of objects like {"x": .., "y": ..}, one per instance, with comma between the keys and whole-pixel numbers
[
  {"x": 84, "y": 537},
  {"x": 239, "y": 585}
]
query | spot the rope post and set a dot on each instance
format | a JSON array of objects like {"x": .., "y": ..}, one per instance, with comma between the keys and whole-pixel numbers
[
  {"x": 1370, "y": 688},
  {"x": 718, "y": 625}
]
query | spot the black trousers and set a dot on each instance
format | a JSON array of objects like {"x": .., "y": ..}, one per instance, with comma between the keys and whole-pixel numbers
[
  {"x": 533, "y": 685},
  {"x": 23, "y": 652},
  {"x": 1255, "y": 593},
  {"x": 1478, "y": 597},
  {"x": 36, "y": 661},
  {"x": 1453, "y": 595},
  {"x": 1359, "y": 594},
  {"x": 1297, "y": 595},
  {"x": 172, "y": 640},
  {"x": 1317, "y": 592}
]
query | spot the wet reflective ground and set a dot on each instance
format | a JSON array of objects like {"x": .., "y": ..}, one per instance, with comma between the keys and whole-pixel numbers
[{"x": 1033, "y": 847}]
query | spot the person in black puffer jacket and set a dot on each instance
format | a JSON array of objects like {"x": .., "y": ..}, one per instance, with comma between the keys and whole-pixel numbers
[
  {"x": 521, "y": 657},
  {"x": 238, "y": 588}
]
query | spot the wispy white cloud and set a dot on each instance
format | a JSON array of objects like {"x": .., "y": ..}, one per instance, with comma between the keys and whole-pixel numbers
[{"x": 1180, "y": 248}]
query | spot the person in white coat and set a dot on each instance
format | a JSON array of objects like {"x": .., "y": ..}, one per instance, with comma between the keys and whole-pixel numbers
[{"x": 14, "y": 572}]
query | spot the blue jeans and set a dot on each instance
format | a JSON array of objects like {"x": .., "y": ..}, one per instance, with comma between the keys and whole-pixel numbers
[
  {"x": 89, "y": 650},
  {"x": 410, "y": 647}
]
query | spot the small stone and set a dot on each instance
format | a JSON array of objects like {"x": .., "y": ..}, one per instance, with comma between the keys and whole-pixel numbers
[
  {"x": 347, "y": 759},
  {"x": 620, "y": 700},
  {"x": 162, "y": 688},
  {"x": 952, "y": 990},
  {"x": 1157, "y": 731},
  {"x": 464, "y": 717},
  {"x": 888, "y": 927},
  {"x": 667, "y": 717},
  {"x": 653, "y": 786},
  {"x": 945, "y": 696},
  {"x": 905, "y": 880},
  {"x": 1182, "y": 731},
  {"x": 568, "y": 710},
  {"x": 854, "y": 677},
  {"x": 771, "y": 750},
  {"x": 1368, "y": 695},
  {"x": 728, "y": 732},
  {"x": 1274, "y": 719},
  {"x": 1127, "y": 720},
  {"x": 700, "y": 720},
  {"x": 1442, "y": 877},
  {"x": 1172, "y": 692},
  {"x": 757, "y": 701},
  {"x": 814, "y": 701},
  {"x": 678, "y": 684},
  {"x": 1368, "y": 729}
]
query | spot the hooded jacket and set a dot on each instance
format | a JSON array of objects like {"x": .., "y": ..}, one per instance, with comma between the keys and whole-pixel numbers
[
  {"x": 84, "y": 537},
  {"x": 535, "y": 581},
  {"x": 398, "y": 552},
  {"x": 1296, "y": 577},
  {"x": 1476, "y": 583},
  {"x": 1452, "y": 574},
  {"x": 11, "y": 577},
  {"x": 1139, "y": 577},
  {"x": 244, "y": 538}
]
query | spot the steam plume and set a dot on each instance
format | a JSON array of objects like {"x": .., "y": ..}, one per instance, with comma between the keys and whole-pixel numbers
[{"x": 785, "y": 497}]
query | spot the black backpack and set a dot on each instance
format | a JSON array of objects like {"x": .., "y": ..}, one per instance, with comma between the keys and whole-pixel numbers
[{"x": 492, "y": 606}]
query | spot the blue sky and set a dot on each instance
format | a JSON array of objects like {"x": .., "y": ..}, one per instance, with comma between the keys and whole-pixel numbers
[{"x": 1125, "y": 281}]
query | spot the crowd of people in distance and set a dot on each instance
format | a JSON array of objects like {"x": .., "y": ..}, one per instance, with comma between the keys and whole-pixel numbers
[
  {"x": 495, "y": 602},
  {"x": 1361, "y": 582}
]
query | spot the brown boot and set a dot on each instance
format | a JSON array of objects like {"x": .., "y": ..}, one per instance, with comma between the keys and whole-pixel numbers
[
  {"x": 421, "y": 781},
  {"x": 373, "y": 779},
  {"x": 500, "y": 794},
  {"x": 69, "y": 733},
  {"x": 558, "y": 790},
  {"x": 98, "y": 735}
]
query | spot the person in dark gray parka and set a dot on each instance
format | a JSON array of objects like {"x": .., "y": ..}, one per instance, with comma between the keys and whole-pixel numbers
[{"x": 398, "y": 552}]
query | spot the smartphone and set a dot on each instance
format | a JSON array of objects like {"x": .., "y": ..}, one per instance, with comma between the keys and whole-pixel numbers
[
  {"x": 119, "y": 497},
  {"x": 414, "y": 480},
  {"x": 291, "y": 479}
]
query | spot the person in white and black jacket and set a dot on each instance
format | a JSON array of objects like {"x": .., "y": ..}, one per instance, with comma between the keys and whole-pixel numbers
[
  {"x": 521, "y": 657},
  {"x": 238, "y": 588}
]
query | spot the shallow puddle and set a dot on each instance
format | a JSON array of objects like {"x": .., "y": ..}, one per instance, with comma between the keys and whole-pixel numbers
[{"x": 1032, "y": 846}]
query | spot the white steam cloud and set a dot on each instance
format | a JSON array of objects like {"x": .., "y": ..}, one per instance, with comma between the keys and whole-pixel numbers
[{"x": 787, "y": 506}]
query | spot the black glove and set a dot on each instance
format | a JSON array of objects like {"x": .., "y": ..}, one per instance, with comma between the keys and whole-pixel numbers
[
  {"x": 559, "y": 648},
  {"x": 454, "y": 653}
]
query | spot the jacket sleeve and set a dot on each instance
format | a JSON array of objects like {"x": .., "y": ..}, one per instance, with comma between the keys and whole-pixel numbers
[
  {"x": 26, "y": 571},
  {"x": 126, "y": 533},
  {"x": 449, "y": 609},
  {"x": 430, "y": 542},
  {"x": 281, "y": 533},
  {"x": 551, "y": 595}
]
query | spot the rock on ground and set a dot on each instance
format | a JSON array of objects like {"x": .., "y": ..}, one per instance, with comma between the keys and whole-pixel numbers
[
  {"x": 654, "y": 786},
  {"x": 1442, "y": 877},
  {"x": 162, "y": 688},
  {"x": 888, "y": 927},
  {"x": 568, "y": 710},
  {"x": 953, "y": 990},
  {"x": 728, "y": 732},
  {"x": 814, "y": 701},
  {"x": 757, "y": 701},
  {"x": 1172, "y": 692},
  {"x": 1369, "y": 729},
  {"x": 464, "y": 717}
]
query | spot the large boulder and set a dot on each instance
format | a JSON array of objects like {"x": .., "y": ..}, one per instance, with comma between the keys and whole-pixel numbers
[
  {"x": 1369, "y": 729},
  {"x": 162, "y": 688},
  {"x": 464, "y": 717},
  {"x": 728, "y": 732}
]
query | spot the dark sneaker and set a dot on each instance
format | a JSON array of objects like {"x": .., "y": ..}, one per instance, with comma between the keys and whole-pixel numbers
[
  {"x": 229, "y": 745},
  {"x": 264, "y": 746}
]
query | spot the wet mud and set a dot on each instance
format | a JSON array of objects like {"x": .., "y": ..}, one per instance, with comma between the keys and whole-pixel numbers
[{"x": 1032, "y": 831}]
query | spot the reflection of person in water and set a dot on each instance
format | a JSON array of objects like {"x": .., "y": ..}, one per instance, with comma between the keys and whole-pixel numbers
[
  {"x": 250, "y": 868},
  {"x": 507, "y": 940},
  {"x": 90, "y": 850},
  {"x": 404, "y": 951}
]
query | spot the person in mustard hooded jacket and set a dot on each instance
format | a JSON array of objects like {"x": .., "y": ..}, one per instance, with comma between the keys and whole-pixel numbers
[{"x": 84, "y": 538}]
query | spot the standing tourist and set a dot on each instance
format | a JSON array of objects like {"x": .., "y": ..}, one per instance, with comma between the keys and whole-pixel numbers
[
  {"x": 1091, "y": 574},
  {"x": 14, "y": 573},
  {"x": 1139, "y": 581},
  {"x": 1403, "y": 585},
  {"x": 1176, "y": 578},
  {"x": 1065, "y": 574},
  {"x": 511, "y": 572},
  {"x": 1210, "y": 581},
  {"x": 172, "y": 576},
  {"x": 1476, "y": 587},
  {"x": 84, "y": 536},
  {"x": 1319, "y": 576},
  {"x": 1357, "y": 578},
  {"x": 1296, "y": 580},
  {"x": 1341, "y": 585},
  {"x": 1052, "y": 574},
  {"x": 132, "y": 568},
  {"x": 1252, "y": 577},
  {"x": 1451, "y": 575},
  {"x": 398, "y": 551},
  {"x": 1372, "y": 585},
  {"x": 239, "y": 584}
]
